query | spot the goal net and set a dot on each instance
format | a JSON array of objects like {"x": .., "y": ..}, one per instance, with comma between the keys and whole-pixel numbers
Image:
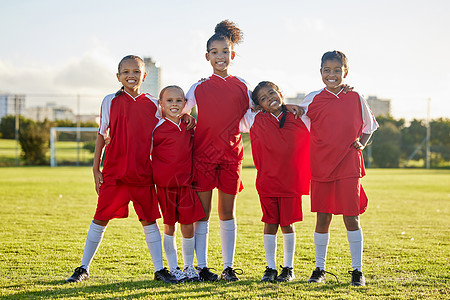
[{"x": 72, "y": 146}]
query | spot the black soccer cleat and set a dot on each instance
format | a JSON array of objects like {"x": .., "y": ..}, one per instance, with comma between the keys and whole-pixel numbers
[
  {"x": 229, "y": 274},
  {"x": 357, "y": 278},
  {"x": 206, "y": 275},
  {"x": 165, "y": 276},
  {"x": 317, "y": 276},
  {"x": 80, "y": 274},
  {"x": 269, "y": 275},
  {"x": 287, "y": 274}
]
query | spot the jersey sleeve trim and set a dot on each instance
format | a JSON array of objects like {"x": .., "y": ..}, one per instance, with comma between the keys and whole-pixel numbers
[
  {"x": 249, "y": 92},
  {"x": 305, "y": 104},
  {"x": 369, "y": 122},
  {"x": 247, "y": 121},
  {"x": 191, "y": 101},
  {"x": 160, "y": 122},
  {"x": 155, "y": 101},
  {"x": 105, "y": 112}
]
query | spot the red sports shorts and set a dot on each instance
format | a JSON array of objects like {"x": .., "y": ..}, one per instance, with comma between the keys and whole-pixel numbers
[
  {"x": 113, "y": 202},
  {"x": 340, "y": 197},
  {"x": 225, "y": 177},
  {"x": 179, "y": 204},
  {"x": 281, "y": 210}
]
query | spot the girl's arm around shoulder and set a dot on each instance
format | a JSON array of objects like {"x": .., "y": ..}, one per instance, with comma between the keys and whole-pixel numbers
[
  {"x": 295, "y": 109},
  {"x": 189, "y": 120}
]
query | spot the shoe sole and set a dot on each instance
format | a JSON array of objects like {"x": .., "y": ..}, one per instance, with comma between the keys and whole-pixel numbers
[
  {"x": 73, "y": 280},
  {"x": 316, "y": 281}
]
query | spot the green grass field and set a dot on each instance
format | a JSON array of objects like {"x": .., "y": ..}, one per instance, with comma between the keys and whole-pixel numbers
[{"x": 45, "y": 214}]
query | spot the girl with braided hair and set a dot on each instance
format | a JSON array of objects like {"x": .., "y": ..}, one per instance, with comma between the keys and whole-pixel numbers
[{"x": 280, "y": 147}]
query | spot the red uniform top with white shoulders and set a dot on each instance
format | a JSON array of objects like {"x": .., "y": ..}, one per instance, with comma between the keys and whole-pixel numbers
[
  {"x": 130, "y": 122},
  {"x": 337, "y": 120},
  {"x": 172, "y": 154},
  {"x": 221, "y": 103},
  {"x": 281, "y": 155}
]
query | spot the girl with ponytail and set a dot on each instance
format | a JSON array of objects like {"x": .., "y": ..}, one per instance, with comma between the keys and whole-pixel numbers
[{"x": 222, "y": 101}]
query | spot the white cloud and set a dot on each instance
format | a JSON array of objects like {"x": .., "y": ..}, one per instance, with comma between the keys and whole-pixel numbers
[
  {"x": 92, "y": 75},
  {"x": 85, "y": 74}
]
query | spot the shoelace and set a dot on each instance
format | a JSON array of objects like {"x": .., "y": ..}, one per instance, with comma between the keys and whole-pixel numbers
[
  {"x": 240, "y": 271},
  {"x": 284, "y": 270},
  {"x": 191, "y": 272},
  {"x": 333, "y": 275},
  {"x": 80, "y": 270},
  {"x": 178, "y": 274}
]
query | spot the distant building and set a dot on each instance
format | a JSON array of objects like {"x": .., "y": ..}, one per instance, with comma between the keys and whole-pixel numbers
[
  {"x": 152, "y": 83},
  {"x": 51, "y": 112},
  {"x": 9, "y": 104},
  {"x": 298, "y": 99},
  {"x": 379, "y": 107}
]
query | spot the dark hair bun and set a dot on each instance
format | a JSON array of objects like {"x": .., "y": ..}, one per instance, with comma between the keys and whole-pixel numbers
[{"x": 229, "y": 30}]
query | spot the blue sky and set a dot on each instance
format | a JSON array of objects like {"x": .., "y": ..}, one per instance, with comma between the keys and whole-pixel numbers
[{"x": 396, "y": 49}]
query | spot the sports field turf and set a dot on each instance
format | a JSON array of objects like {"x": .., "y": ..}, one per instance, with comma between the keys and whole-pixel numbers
[{"x": 45, "y": 214}]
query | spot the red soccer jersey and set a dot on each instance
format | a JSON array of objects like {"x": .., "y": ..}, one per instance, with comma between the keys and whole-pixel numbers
[
  {"x": 221, "y": 103},
  {"x": 172, "y": 154},
  {"x": 281, "y": 156},
  {"x": 131, "y": 122},
  {"x": 336, "y": 122}
]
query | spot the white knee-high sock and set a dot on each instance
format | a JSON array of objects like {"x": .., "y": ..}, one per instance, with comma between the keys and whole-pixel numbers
[
  {"x": 170, "y": 248},
  {"x": 321, "y": 245},
  {"x": 153, "y": 239},
  {"x": 187, "y": 247},
  {"x": 228, "y": 241},
  {"x": 93, "y": 239},
  {"x": 355, "y": 241},
  {"x": 270, "y": 247},
  {"x": 201, "y": 242},
  {"x": 289, "y": 249}
]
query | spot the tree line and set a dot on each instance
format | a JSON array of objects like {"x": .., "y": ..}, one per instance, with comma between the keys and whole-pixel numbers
[
  {"x": 395, "y": 141},
  {"x": 390, "y": 147},
  {"x": 34, "y": 136}
]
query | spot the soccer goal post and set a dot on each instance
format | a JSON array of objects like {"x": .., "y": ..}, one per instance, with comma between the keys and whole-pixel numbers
[{"x": 68, "y": 145}]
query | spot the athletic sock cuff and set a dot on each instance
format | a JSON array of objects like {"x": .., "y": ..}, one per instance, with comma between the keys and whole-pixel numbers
[
  {"x": 228, "y": 225},
  {"x": 201, "y": 227},
  {"x": 321, "y": 238},
  {"x": 152, "y": 228},
  {"x": 98, "y": 228},
  {"x": 355, "y": 235}
]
